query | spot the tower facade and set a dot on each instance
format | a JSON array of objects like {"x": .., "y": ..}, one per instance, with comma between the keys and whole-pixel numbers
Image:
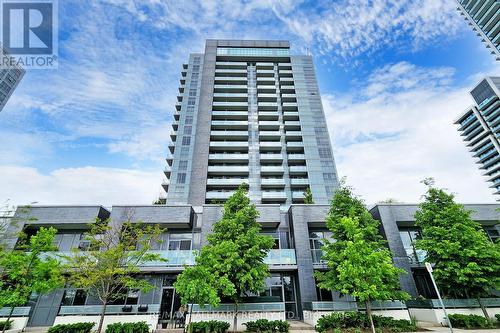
[
  {"x": 484, "y": 18},
  {"x": 10, "y": 76},
  {"x": 249, "y": 112},
  {"x": 479, "y": 126}
]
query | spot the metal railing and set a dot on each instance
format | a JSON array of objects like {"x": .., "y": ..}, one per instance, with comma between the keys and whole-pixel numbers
[
  {"x": 243, "y": 307},
  {"x": 21, "y": 311},
  {"x": 87, "y": 310}
]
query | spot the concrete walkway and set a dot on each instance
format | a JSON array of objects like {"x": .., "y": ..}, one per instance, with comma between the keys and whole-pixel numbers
[{"x": 458, "y": 330}]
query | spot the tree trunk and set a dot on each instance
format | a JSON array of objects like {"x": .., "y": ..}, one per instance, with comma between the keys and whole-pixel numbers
[
  {"x": 369, "y": 313},
  {"x": 189, "y": 321},
  {"x": 101, "y": 319},
  {"x": 235, "y": 321},
  {"x": 8, "y": 318},
  {"x": 486, "y": 315}
]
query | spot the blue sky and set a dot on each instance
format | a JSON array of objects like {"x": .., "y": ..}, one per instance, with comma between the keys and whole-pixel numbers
[{"x": 393, "y": 75}]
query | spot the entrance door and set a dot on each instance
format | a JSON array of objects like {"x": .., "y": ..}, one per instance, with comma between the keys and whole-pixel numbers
[
  {"x": 170, "y": 302},
  {"x": 45, "y": 309}
]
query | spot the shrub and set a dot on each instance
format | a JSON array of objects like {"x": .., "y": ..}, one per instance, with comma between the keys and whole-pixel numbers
[
  {"x": 497, "y": 316},
  {"x": 264, "y": 325},
  {"x": 212, "y": 326},
  {"x": 5, "y": 324},
  {"x": 139, "y": 327},
  {"x": 469, "y": 321},
  {"x": 72, "y": 328},
  {"x": 338, "y": 320}
]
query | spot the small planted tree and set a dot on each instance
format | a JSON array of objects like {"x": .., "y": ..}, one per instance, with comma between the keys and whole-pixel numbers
[
  {"x": 111, "y": 266},
  {"x": 29, "y": 269},
  {"x": 308, "y": 196},
  {"x": 466, "y": 262},
  {"x": 358, "y": 262},
  {"x": 233, "y": 260}
]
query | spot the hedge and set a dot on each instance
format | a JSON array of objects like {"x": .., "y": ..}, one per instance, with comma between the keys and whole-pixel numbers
[
  {"x": 72, "y": 328},
  {"x": 268, "y": 326},
  {"x": 139, "y": 327},
  {"x": 212, "y": 326}
]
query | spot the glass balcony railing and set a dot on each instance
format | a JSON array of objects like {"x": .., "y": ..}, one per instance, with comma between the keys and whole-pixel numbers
[{"x": 110, "y": 309}]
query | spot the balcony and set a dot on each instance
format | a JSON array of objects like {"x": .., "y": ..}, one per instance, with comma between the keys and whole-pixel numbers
[
  {"x": 178, "y": 106},
  {"x": 218, "y": 195},
  {"x": 281, "y": 256},
  {"x": 265, "y": 73},
  {"x": 268, "y": 115},
  {"x": 272, "y": 182},
  {"x": 175, "y": 258},
  {"x": 298, "y": 169},
  {"x": 231, "y": 135},
  {"x": 229, "y": 145},
  {"x": 228, "y": 157},
  {"x": 228, "y": 169},
  {"x": 221, "y": 97},
  {"x": 298, "y": 195},
  {"x": 269, "y": 125},
  {"x": 229, "y": 124},
  {"x": 165, "y": 184},
  {"x": 230, "y": 80},
  {"x": 230, "y": 105},
  {"x": 268, "y": 105},
  {"x": 266, "y": 89},
  {"x": 286, "y": 81},
  {"x": 291, "y": 115},
  {"x": 229, "y": 182},
  {"x": 273, "y": 196},
  {"x": 270, "y": 144},
  {"x": 265, "y": 65},
  {"x": 271, "y": 170},
  {"x": 285, "y": 71},
  {"x": 237, "y": 88},
  {"x": 288, "y": 98},
  {"x": 288, "y": 89},
  {"x": 267, "y": 97},
  {"x": 266, "y": 81},
  {"x": 296, "y": 157},
  {"x": 225, "y": 72},
  {"x": 171, "y": 147},
  {"x": 292, "y": 126},
  {"x": 173, "y": 135},
  {"x": 293, "y": 135},
  {"x": 296, "y": 144},
  {"x": 269, "y": 135},
  {"x": 241, "y": 115},
  {"x": 271, "y": 158},
  {"x": 230, "y": 64},
  {"x": 299, "y": 181},
  {"x": 289, "y": 106}
]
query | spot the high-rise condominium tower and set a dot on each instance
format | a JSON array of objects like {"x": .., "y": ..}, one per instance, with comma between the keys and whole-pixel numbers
[
  {"x": 249, "y": 112},
  {"x": 484, "y": 17},
  {"x": 9, "y": 79},
  {"x": 480, "y": 127}
]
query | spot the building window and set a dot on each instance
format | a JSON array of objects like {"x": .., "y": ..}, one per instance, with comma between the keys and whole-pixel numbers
[
  {"x": 179, "y": 242},
  {"x": 181, "y": 178},
  {"x": 74, "y": 297},
  {"x": 183, "y": 165},
  {"x": 191, "y": 101},
  {"x": 188, "y": 120},
  {"x": 188, "y": 130},
  {"x": 316, "y": 241},
  {"x": 408, "y": 237},
  {"x": 328, "y": 176},
  {"x": 186, "y": 141},
  {"x": 325, "y": 153}
]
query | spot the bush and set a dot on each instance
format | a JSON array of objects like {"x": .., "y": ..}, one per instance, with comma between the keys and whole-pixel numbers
[
  {"x": 264, "y": 325},
  {"x": 72, "y": 328},
  {"x": 469, "y": 321},
  {"x": 5, "y": 324},
  {"x": 339, "y": 320},
  {"x": 212, "y": 326},
  {"x": 497, "y": 316},
  {"x": 139, "y": 327}
]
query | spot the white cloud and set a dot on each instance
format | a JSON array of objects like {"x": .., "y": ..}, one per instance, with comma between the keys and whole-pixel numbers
[
  {"x": 85, "y": 185},
  {"x": 391, "y": 134}
]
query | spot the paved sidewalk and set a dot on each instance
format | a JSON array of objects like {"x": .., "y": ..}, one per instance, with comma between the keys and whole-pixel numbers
[{"x": 458, "y": 330}]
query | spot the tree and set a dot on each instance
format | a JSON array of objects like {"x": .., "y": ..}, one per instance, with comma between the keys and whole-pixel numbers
[
  {"x": 308, "y": 196},
  {"x": 233, "y": 260},
  {"x": 466, "y": 262},
  {"x": 111, "y": 266},
  {"x": 358, "y": 262},
  {"x": 29, "y": 269}
]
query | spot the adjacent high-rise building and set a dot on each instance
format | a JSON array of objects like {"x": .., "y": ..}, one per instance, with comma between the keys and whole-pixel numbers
[
  {"x": 484, "y": 17},
  {"x": 480, "y": 127},
  {"x": 249, "y": 112},
  {"x": 9, "y": 79}
]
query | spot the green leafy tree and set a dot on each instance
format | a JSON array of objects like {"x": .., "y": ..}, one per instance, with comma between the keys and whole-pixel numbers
[
  {"x": 111, "y": 266},
  {"x": 29, "y": 269},
  {"x": 466, "y": 262},
  {"x": 359, "y": 264},
  {"x": 308, "y": 196},
  {"x": 233, "y": 260}
]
